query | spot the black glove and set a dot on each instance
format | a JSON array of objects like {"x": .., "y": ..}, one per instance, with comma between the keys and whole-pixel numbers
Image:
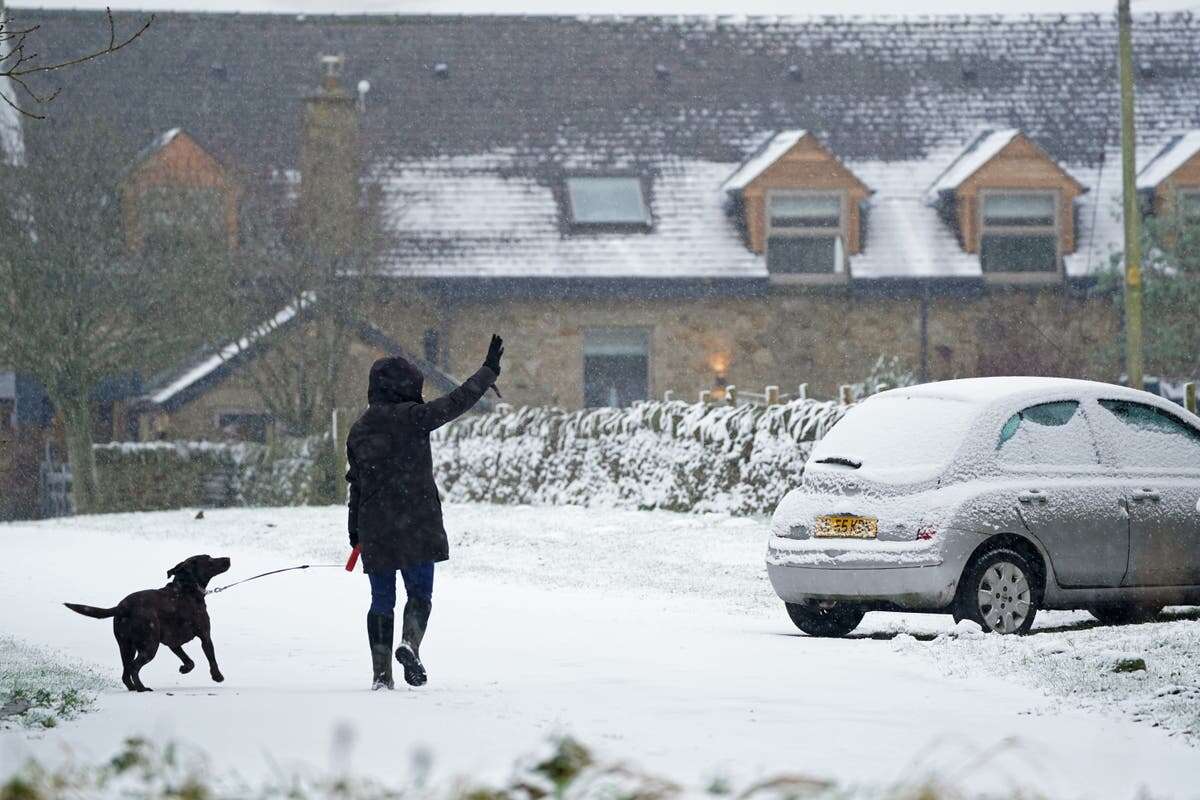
[{"x": 495, "y": 350}]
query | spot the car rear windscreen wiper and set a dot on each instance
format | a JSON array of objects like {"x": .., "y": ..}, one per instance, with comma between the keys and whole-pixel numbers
[{"x": 842, "y": 462}]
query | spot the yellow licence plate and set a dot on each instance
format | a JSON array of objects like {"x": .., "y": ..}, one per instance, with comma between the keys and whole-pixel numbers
[{"x": 846, "y": 526}]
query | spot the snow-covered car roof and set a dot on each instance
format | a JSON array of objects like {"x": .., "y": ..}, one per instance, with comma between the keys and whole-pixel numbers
[{"x": 987, "y": 391}]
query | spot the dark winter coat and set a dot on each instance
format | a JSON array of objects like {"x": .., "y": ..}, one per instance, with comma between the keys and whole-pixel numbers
[{"x": 395, "y": 512}]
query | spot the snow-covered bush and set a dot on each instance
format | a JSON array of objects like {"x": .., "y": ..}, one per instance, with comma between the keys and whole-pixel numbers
[{"x": 667, "y": 455}]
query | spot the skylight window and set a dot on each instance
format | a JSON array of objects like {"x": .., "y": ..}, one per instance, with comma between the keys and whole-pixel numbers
[{"x": 607, "y": 201}]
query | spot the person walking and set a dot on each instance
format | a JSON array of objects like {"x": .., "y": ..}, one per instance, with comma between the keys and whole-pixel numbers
[{"x": 395, "y": 512}]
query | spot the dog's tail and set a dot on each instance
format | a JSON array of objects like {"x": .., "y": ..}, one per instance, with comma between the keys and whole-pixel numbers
[{"x": 91, "y": 611}]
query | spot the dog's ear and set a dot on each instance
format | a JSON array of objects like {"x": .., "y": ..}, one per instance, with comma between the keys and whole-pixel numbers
[{"x": 182, "y": 566}]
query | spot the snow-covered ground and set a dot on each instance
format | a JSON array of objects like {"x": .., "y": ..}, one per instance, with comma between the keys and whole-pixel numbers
[{"x": 653, "y": 637}]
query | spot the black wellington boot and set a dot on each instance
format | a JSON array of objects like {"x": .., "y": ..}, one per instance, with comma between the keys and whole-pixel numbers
[
  {"x": 380, "y": 629},
  {"x": 416, "y": 618}
]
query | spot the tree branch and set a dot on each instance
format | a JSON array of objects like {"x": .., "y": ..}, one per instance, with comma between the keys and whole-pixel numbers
[{"x": 16, "y": 64}]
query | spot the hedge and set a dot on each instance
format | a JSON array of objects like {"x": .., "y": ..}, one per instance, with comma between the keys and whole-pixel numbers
[
  {"x": 668, "y": 455},
  {"x": 153, "y": 476}
]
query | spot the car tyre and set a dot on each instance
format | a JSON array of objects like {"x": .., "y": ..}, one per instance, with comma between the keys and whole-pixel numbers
[
  {"x": 825, "y": 620},
  {"x": 1125, "y": 613},
  {"x": 1001, "y": 592}
]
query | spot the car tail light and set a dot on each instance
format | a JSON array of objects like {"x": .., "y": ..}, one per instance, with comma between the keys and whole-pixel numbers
[{"x": 926, "y": 533}]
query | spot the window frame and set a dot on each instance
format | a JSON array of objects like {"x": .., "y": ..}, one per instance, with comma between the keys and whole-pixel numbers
[
  {"x": 574, "y": 224},
  {"x": 1055, "y": 229},
  {"x": 841, "y": 267},
  {"x": 647, "y": 333}
]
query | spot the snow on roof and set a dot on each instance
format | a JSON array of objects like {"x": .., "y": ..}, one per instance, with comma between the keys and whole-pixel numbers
[
  {"x": 486, "y": 216},
  {"x": 767, "y": 154},
  {"x": 1173, "y": 155},
  {"x": 904, "y": 236},
  {"x": 470, "y": 217},
  {"x": 982, "y": 149},
  {"x": 213, "y": 362},
  {"x": 159, "y": 142}
]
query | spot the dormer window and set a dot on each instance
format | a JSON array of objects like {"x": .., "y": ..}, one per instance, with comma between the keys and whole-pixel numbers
[
  {"x": 601, "y": 201},
  {"x": 1019, "y": 231},
  {"x": 1011, "y": 204},
  {"x": 804, "y": 232},
  {"x": 800, "y": 207},
  {"x": 177, "y": 197}
]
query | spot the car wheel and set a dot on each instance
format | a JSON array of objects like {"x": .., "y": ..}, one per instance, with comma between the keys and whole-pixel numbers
[
  {"x": 1000, "y": 592},
  {"x": 825, "y": 619},
  {"x": 1124, "y": 613}
]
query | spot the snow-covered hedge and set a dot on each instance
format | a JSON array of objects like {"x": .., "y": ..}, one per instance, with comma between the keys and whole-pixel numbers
[
  {"x": 667, "y": 455},
  {"x": 152, "y": 476}
]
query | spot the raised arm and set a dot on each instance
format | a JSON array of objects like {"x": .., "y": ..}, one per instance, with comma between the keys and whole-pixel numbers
[{"x": 437, "y": 413}]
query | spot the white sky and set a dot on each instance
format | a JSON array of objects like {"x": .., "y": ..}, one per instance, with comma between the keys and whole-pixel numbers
[{"x": 797, "y": 7}]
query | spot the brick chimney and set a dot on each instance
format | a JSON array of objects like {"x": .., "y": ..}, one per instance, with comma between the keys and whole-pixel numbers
[{"x": 328, "y": 210}]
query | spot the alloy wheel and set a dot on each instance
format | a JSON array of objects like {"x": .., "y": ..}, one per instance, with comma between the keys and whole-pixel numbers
[{"x": 1004, "y": 597}]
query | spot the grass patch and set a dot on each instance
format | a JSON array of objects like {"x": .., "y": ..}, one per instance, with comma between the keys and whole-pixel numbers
[
  {"x": 564, "y": 770},
  {"x": 40, "y": 689}
]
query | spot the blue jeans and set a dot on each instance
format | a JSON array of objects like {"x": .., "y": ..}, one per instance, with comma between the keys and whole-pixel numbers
[{"x": 418, "y": 585}]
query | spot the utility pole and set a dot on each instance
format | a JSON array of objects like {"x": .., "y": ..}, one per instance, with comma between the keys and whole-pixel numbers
[{"x": 1131, "y": 213}]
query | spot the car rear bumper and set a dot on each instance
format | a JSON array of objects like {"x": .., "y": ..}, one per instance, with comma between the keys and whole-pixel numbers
[{"x": 920, "y": 576}]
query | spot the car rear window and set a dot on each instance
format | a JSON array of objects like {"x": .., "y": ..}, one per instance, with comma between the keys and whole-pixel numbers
[
  {"x": 902, "y": 438},
  {"x": 1152, "y": 438}
]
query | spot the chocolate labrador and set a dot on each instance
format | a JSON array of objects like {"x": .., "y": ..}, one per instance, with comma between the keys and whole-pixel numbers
[{"x": 172, "y": 615}]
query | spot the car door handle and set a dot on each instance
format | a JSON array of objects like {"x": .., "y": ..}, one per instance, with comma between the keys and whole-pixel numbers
[
  {"x": 1139, "y": 495},
  {"x": 1032, "y": 496}
]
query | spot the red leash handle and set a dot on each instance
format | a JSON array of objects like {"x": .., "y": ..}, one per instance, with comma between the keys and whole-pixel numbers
[{"x": 353, "y": 560}]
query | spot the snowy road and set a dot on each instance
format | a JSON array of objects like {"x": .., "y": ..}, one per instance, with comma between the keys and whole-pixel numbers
[{"x": 652, "y": 637}]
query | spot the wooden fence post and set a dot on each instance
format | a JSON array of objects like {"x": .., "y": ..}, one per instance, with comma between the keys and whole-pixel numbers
[
  {"x": 705, "y": 396},
  {"x": 1189, "y": 396},
  {"x": 668, "y": 396},
  {"x": 731, "y": 395},
  {"x": 846, "y": 394},
  {"x": 771, "y": 393},
  {"x": 802, "y": 392}
]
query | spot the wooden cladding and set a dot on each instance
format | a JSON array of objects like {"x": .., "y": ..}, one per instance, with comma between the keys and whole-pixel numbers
[
  {"x": 1020, "y": 166},
  {"x": 179, "y": 164},
  {"x": 807, "y": 166}
]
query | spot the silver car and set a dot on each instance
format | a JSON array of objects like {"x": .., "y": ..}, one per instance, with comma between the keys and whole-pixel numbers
[{"x": 992, "y": 498}]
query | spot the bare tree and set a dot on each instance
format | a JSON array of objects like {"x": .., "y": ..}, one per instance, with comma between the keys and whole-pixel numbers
[
  {"x": 298, "y": 377},
  {"x": 20, "y": 61},
  {"x": 76, "y": 305}
]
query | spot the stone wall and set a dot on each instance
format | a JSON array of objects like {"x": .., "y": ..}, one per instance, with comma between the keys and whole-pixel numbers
[{"x": 821, "y": 337}]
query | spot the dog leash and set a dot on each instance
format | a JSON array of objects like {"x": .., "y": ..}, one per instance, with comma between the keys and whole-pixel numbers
[{"x": 220, "y": 589}]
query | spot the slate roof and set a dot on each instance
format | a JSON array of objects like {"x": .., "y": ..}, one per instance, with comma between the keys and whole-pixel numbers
[{"x": 473, "y": 154}]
